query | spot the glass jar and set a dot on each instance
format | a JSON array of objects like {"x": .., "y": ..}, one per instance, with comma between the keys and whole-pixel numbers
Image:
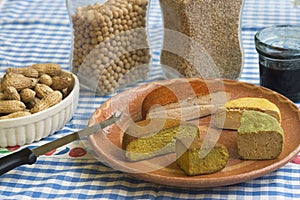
[
  {"x": 109, "y": 44},
  {"x": 202, "y": 38},
  {"x": 279, "y": 59}
]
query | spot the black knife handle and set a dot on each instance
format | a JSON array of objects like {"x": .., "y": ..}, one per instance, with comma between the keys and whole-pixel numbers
[{"x": 9, "y": 162}]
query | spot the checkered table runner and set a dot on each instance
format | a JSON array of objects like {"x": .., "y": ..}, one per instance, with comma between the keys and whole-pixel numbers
[{"x": 39, "y": 30}]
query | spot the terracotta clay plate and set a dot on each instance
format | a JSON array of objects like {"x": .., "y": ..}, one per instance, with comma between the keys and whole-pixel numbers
[{"x": 107, "y": 144}]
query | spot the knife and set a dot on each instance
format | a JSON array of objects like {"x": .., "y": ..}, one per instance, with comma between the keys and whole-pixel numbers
[{"x": 29, "y": 156}]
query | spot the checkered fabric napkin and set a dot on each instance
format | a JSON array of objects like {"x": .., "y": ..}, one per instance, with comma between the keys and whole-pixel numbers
[{"x": 39, "y": 30}]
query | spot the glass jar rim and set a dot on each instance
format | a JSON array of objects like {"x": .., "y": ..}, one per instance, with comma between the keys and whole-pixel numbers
[{"x": 276, "y": 51}]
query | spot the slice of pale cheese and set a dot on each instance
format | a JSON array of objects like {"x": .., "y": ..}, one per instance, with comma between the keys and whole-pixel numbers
[
  {"x": 190, "y": 108},
  {"x": 184, "y": 113}
]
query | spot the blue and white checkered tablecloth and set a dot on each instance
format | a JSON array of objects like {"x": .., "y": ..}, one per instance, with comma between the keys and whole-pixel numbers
[{"x": 39, "y": 31}]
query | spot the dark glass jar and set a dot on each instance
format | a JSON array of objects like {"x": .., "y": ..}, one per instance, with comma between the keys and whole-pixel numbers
[{"x": 279, "y": 59}]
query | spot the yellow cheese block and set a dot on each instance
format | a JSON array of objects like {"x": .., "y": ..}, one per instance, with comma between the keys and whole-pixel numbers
[
  {"x": 155, "y": 137},
  {"x": 229, "y": 115}
]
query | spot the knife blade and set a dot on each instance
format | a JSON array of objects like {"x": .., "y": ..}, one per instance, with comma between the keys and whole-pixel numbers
[{"x": 29, "y": 156}]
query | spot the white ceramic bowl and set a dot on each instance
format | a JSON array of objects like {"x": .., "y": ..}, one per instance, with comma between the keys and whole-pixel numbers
[{"x": 25, "y": 130}]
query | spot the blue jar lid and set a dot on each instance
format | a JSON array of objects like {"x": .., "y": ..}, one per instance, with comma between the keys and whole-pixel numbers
[{"x": 279, "y": 42}]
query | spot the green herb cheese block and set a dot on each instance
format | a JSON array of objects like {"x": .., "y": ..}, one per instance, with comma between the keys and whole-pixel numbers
[
  {"x": 190, "y": 161},
  {"x": 260, "y": 136}
]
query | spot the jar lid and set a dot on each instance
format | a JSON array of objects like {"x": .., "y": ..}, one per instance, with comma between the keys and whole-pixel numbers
[{"x": 279, "y": 42}]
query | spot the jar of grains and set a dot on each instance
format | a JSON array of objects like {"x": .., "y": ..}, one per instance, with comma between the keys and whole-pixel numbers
[
  {"x": 207, "y": 35},
  {"x": 109, "y": 45}
]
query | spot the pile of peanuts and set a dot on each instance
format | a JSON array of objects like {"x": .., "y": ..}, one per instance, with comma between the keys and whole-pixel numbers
[
  {"x": 110, "y": 43},
  {"x": 28, "y": 90}
]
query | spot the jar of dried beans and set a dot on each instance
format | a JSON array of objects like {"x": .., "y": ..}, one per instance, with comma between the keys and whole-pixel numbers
[
  {"x": 109, "y": 45},
  {"x": 207, "y": 35}
]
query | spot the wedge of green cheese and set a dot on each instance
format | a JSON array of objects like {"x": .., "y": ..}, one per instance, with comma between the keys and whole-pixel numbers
[{"x": 260, "y": 136}]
